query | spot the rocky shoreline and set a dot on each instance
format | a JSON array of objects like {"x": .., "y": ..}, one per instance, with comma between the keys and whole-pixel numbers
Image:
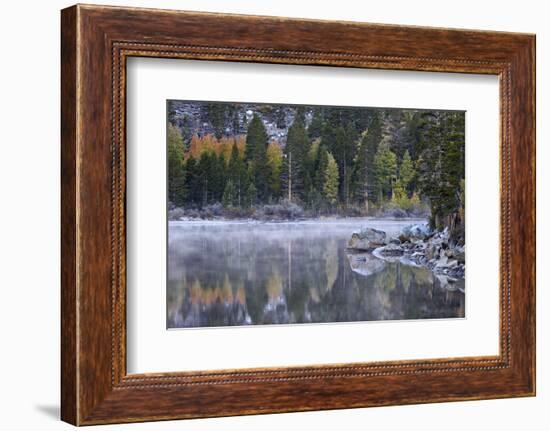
[{"x": 415, "y": 245}]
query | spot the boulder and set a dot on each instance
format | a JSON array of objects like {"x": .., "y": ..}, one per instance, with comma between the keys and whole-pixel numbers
[
  {"x": 417, "y": 245},
  {"x": 415, "y": 231},
  {"x": 367, "y": 239}
]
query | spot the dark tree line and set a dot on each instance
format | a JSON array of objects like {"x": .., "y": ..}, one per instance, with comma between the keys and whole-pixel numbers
[{"x": 333, "y": 159}]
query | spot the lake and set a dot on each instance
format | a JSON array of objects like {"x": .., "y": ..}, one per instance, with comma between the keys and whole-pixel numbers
[{"x": 229, "y": 273}]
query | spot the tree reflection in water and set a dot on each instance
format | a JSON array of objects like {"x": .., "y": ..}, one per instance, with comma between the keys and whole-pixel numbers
[{"x": 228, "y": 274}]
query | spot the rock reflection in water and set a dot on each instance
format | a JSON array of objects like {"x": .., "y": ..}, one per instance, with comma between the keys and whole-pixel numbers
[{"x": 228, "y": 274}]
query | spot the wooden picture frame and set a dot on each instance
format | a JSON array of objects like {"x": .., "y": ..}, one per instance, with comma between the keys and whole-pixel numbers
[{"x": 95, "y": 43}]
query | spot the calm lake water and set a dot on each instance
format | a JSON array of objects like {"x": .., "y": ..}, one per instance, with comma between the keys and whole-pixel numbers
[{"x": 253, "y": 273}]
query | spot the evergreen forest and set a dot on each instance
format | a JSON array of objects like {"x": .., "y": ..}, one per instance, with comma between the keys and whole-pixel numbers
[{"x": 246, "y": 160}]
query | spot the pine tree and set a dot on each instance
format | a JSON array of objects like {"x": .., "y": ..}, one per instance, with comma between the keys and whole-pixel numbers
[
  {"x": 192, "y": 180},
  {"x": 217, "y": 175},
  {"x": 237, "y": 173},
  {"x": 385, "y": 171},
  {"x": 295, "y": 151},
  {"x": 395, "y": 130},
  {"x": 216, "y": 114},
  {"x": 274, "y": 161},
  {"x": 315, "y": 129},
  {"x": 406, "y": 171},
  {"x": 351, "y": 140},
  {"x": 204, "y": 171},
  {"x": 319, "y": 175},
  {"x": 362, "y": 187},
  {"x": 370, "y": 144},
  {"x": 330, "y": 186},
  {"x": 313, "y": 187},
  {"x": 412, "y": 134},
  {"x": 256, "y": 156},
  {"x": 177, "y": 190},
  {"x": 453, "y": 167},
  {"x": 344, "y": 149},
  {"x": 399, "y": 194},
  {"x": 440, "y": 167}
]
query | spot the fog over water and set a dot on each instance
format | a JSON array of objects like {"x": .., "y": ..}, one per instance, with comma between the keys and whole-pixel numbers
[{"x": 227, "y": 273}]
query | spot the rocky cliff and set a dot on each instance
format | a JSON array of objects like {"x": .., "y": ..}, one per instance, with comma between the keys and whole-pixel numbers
[{"x": 230, "y": 119}]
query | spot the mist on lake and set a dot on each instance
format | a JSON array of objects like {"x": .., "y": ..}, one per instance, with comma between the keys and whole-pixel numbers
[{"x": 253, "y": 273}]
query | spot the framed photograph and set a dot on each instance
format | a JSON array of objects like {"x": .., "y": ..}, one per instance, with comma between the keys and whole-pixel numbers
[{"x": 292, "y": 215}]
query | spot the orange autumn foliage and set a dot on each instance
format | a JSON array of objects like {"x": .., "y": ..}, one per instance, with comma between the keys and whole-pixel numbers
[{"x": 210, "y": 144}]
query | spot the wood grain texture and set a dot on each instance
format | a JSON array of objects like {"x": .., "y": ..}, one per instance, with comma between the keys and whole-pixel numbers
[
  {"x": 96, "y": 41},
  {"x": 69, "y": 397}
]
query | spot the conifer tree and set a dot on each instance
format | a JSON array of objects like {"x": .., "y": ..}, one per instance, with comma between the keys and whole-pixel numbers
[
  {"x": 315, "y": 129},
  {"x": 192, "y": 180},
  {"x": 385, "y": 171},
  {"x": 238, "y": 174},
  {"x": 313, "y": 188},
  {"x": 406, "y": 171},
  {"x": 370, "y": 144},
  {"x": 394, "y": 131},
  {"x": 216, "y": 115},
  {"x": 177, "y": 190},
  {"x": 205, "y": 178},
  {"x": 441, "y": 166},
  {"x": 295, "y": 151},
  {"x": 256, "y": 156},
  {"x": 364, "y": 180},
  {"x": 330, "y": 186},
  {"x": 274, "y": 161},
  {"x": 217, "y": 175},
  {"x": 319, "y": 175},
  {"x": 344, "y": 149}
]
